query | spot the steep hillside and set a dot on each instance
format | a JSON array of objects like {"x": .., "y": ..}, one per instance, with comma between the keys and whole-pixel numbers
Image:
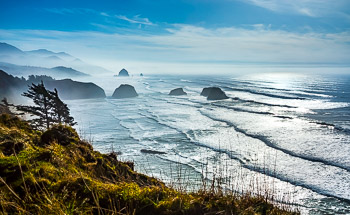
[
  {"x": 12, "y": 87},
  {"x": 55, "y": 172}
]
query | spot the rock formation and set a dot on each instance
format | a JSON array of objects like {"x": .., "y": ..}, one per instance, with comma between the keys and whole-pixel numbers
[
  {"x": 12, "y": 87},
  {"x": 69, "y": 89},
  {"x": 205, "y": 91},
  {"x": 123, "y": 73},
  {"x": 124, "y": 91},
  {"x": 177, "y": 92},
  {"x": 147, "y": 151},
  {"x": 213, "y": 93}
]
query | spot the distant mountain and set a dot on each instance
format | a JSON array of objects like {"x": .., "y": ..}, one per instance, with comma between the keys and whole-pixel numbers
[
  {"x": 12, "y": 87},
  {"x": 61, "y": 56},
  {"x": 46, "y": 52},
  {"x": 7, "y": 49},
  {"x": 46, "y": 58},
  {"x": 53, "y": 57},
  {"x": 41, "y": 52},
  {"x": 68, "y": 70},
  {"x": 56, "y": 72}
]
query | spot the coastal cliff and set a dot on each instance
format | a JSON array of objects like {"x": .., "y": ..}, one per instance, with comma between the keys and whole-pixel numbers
[
  {"x": 55, "y": 172},
  {"x": 12, "y": 87}
]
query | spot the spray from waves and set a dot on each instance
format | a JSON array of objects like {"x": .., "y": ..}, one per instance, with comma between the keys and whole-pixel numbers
[
  {"x": 244, "y": 89},
  {"x": 263, "y": 171},
  {"x": 199, "y": 104},
  {"x": 270, "y": 144},
  {"x": 263, "y": 93},
  {"x": 189, "y": 139},
  {"x": 243, "y": 163},
  {"x": 298, "y": 93},
  {"x": 263, "y": 103},
  {"x": 264, "y": 139},
  {"x": 185, "y": 80},
  {"x": 217, "y": 104}
]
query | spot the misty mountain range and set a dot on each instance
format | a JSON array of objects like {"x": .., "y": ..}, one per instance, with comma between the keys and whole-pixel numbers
[{"x": 44, "y": 62}]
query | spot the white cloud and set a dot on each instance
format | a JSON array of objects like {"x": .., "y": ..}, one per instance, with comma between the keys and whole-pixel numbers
[
  {"x": 312, "y": 8},
  {"x": 191, "y": 44},
  {"x": 135, "y": 20}
]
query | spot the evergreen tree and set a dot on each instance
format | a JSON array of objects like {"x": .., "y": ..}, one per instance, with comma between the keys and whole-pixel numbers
[
  {"x": 5, "y": 102},
  {"x": 43, "y": 101},
  {"x": 48, "y": 109},
  {"x": 5, "y": 106},
  {"x": 61, "y": 111}
]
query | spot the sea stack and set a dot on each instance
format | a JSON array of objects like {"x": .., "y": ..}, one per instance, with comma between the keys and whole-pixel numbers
[
  {"x": 124, "y": 91},
  {"x": 123, "y": 73},
  {"x": 205, "y": 91},
  {"x": 177, "y": 92},
  {"x": 213, "y": 93},
  {"x": 141, "y": 74}
]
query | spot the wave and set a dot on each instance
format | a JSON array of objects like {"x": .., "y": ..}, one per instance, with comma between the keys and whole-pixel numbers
[
  {"x": 224, "y": 106},
  {"x": 156, "y": 119},
  {"x": 246, "y": 165},
  {"x": 201, "y": 104},
  {"x": 264, "y": 94},
  {"x": 274, "y": 146},
  {"x": 263, "y": 103},
  {"x": 330, "y": 125},
  {"x": 252, "y": 84},
  {"x": 299, "y": 93},
  {"x": 185, "y": 80}
]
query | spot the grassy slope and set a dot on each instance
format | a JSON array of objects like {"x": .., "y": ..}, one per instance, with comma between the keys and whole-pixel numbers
[{"x": 54, "y": 172}]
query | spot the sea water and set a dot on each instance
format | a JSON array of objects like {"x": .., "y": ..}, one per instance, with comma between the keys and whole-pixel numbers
[{"x": 280, "y": 134}]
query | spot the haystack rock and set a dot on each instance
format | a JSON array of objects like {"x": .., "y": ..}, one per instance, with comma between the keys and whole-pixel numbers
[
  {"x": 213, "y": 93},
  {"x": 124, "y": 91},
  {"x": 124, "y": 73},
  {"x": 205, "y": 91},
  {"x": 177, "y": 92}
]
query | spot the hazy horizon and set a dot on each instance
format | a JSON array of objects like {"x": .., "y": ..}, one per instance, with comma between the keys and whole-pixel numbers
[
  {"x": 249, "y": 97},
  {"x": 186, "y": 37}
]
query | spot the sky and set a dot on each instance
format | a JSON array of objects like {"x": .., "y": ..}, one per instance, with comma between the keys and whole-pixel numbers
[{"x": 186, "y": 35}]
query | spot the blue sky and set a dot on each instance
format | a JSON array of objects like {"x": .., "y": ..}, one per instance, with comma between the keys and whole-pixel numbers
[{"x": 183, "y": 32}]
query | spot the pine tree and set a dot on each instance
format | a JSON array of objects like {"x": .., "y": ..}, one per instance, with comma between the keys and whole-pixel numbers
[
  {"x": 61, "y": 110},
  {"x": 5, "y": 106},
  {"x": 48, "y": 109},
  {"x": 43, "y": 101}
]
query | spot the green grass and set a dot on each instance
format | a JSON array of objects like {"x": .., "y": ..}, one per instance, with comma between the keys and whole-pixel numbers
[{"x": 54, "y": 172}]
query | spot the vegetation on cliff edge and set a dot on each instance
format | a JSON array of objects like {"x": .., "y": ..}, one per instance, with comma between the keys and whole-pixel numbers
[{"x": 55, "y": 172}]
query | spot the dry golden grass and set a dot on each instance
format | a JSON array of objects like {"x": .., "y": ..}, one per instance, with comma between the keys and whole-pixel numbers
[{"x": 54, "y": 172}]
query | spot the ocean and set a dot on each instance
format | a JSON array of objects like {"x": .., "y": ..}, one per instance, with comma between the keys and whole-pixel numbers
[{"x": 286, "y": 135}]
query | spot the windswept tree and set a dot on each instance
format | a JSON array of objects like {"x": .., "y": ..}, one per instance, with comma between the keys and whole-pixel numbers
[
  {"x": 43, "y": 105},
  {"x": 61, "y": 112},
  {"x": 5, "y": 106},
  {"x": 48, "y": 109}
]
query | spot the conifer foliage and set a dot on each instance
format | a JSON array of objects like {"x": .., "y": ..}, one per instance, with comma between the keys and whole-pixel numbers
[
  {"x": 49, "y": 108},
  {"x": 60, "y": 110}
]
